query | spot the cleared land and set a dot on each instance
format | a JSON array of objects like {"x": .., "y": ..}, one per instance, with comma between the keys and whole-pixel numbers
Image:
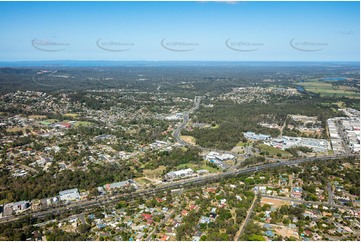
[
  {"x": 188, "y": 139},
  {"x": 72, "y": 115},
  {"x": 272, "y": 150},
  {"x": 197, "y": 167},
  {"x": 83, "y": 123},
  {"x": 37, "y": 116},
  {"x": 327, "y": 89},
  {"x": 142, "y": 181},
  {"x": 274, "y": 202},
  {"x": 14, "y": 129},
  {"x": 154, "y": 174},
  {"x": 48, "y": 121}
]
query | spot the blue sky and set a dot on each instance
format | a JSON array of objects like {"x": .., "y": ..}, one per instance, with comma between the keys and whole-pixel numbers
[{"x": 256, "y": 31}]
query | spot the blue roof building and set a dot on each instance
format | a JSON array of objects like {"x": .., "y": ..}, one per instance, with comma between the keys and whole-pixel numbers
[{"x": 269, "y": 233}]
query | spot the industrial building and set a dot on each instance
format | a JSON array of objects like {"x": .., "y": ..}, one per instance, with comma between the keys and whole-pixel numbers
[
  {"x": 179, "y": 174},
  {"x": 69, "y": 195},
  {"x": 256, "y": 137},
  {"x": 122, "y": 184}
]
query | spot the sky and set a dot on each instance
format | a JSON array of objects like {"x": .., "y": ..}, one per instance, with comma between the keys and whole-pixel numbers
[{"x": 180, "y": 31}]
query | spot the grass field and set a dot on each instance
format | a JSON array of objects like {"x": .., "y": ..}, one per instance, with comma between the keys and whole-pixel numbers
[
  {"x": 72, "y": 115},
  {"x": 243, "y": 144},
  {"x": 326, "y": 89},
  {"x": 142, "y": 181},
  {"x": 14, "y": 129},
  {"x": 83, "y": 123},
  {"x": 197, "y": 167},
  {"x": 272, "y": 150},
  {"x": 154, "y": 174},
  {"x": 340, "y": 104},
  {"x": 37, "y": 116}
]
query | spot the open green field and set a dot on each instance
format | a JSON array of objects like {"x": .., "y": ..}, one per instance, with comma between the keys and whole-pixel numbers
[
  {"x": 48, "y": 121},
  {"x": 326, "y": 89},
  {"x": 154, "y": 174},
  {"x": 142, "y": 181},
  {"x": 197, "y": 167},
  {"x": 83, "y": 123},
  {"x": 272, "y": 150},
  {"x": 243, "y": 144}
]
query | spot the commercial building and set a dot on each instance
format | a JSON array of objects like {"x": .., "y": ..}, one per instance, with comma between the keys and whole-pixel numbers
[
  {"x": 69, "y": 195},
  {"x": 22, "y": 205},
  {"x": 256, "y": 137},
  {"x": 122, "y": 184},
  {"x": 179, "y": 174},
  {"x": 213, "y": 156}
]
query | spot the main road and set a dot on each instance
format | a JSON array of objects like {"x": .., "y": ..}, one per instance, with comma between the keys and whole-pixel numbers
[
  {"x": 86, "y": 204},
  {"x": 177, "y": 131}
]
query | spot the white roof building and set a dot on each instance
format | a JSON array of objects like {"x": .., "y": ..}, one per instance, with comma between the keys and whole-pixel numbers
[
  {"x": 69, "y": 195},
  {"x": 180, "y": 173}
]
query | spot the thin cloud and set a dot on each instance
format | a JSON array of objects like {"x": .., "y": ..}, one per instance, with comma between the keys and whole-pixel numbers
[{"x": 347, "y": 32}]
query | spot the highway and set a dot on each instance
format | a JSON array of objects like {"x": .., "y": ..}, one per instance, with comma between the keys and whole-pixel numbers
[
  {"x": 86, "y": 204},
  {"x": 177, "y": 132}
]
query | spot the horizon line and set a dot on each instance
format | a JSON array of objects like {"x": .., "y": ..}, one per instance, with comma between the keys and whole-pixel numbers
[{"x": 181, "y": 60}]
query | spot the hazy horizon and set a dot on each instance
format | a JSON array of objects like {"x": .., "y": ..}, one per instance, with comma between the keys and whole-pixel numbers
[{"x": 106, "y": 63}]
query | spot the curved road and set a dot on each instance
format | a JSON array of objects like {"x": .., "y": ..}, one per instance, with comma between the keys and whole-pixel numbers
[{"x": 176, "y": 133}]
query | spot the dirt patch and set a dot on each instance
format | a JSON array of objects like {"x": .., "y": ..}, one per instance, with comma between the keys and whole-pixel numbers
[
  {"x": 154, "y": 174},
  {"x": 188, "y": 139},
  {"x": 142, "y": 181},
  {"x": 274, "y": 202},
  {"x": 37, "y": 116},
  {"x": 286, "y": 232},
  {"x": 230, "y": 162},
  {"x": 238, "y": 149},
  {"x": 347, "y": 165}
]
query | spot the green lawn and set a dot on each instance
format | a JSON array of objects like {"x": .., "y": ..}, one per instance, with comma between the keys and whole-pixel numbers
[
  {"x": 83, "y": 123},
  {"x": 197, "y": 167},
  {"x": 272, "y": 150},
  {"x": 244, "y": 144},
  {"x": 215, "y": 127}
]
